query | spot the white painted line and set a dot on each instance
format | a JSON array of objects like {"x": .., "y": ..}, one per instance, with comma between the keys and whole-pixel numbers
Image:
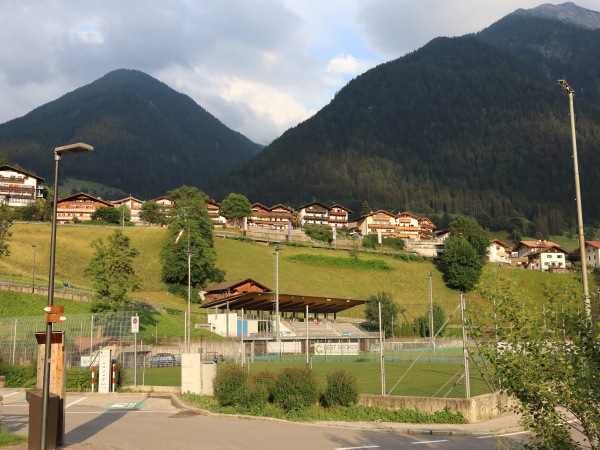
[
  {"x": 353, "y": 448},
  {"x": 8, "y": 395},
  {"x": 429, "y": 442},
  {"x": 127, "y": 411},
  {"x": 485, "y": 437},
  {"x": 76, "y": 401},
  {"x": 513, "y": 434}
]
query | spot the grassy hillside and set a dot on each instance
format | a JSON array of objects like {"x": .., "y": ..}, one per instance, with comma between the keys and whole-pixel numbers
[{"x": 407, "y": 282}]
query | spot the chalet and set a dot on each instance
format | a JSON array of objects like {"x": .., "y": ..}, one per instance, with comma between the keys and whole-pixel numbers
[
  {"x": 314, "y": 213},
  {"x": 426, "y": 228},
  {"x": 377, "y": 222},
  {"x": 523, "y": 248},
  {"x": 19, "y": 188},
  {"x": 233, "y": 287},
  {"x": 546, "y": 259},
  {"x": 592, "y": 254},
  {"x": 499, "y": 252},
  {"x": 79, "y": 206},
  {"x": 408, "y": 226},
  {"x": 277, "y": 217},
  {"x": 214, "y": 213},
  {"x": 134, "y": 205},
  {"x": 338, "y": 216}
]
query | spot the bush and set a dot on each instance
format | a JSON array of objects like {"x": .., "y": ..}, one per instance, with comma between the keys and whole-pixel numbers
[
  {"x": 230, "y": 384},
  {"x": 255, "y": 395},
  {"x": 19, "y": 376},
  {"x": 342, "y": 389},
  {"x": 394, "y": 243},
  {"x": 266, "y": 379},
  {"x": 319, "y": 233},
  {"x": 295, "y": 389}
]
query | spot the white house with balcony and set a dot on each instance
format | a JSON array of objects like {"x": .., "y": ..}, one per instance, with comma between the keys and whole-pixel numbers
[
  {"x": 592, "y": 254},
  {"x": 499, "y": 252},
  {"x": 548, "y": 259},
  {"x": 19, "y": 188}
]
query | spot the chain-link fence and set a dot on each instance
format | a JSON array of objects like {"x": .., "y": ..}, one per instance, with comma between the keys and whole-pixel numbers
[{"x": 444, "y": 364}]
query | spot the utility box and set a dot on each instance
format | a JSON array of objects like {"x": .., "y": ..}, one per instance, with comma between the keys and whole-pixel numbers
[
  {"x": 58, "y": 377},
  {"x": 35, "y": 398},
  {"x": 197, "y": 376}
]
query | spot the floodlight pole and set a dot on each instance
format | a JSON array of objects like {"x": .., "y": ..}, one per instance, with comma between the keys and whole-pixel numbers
[
  {"x": 431, "y": 333},
  {"x": 58, "y": 152},
  {"x": 278, "y": 247},
  {"x": 586, "y": 294}
]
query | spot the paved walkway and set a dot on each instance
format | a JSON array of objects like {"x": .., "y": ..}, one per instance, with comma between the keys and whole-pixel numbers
[{"x": 501, "y": 426}]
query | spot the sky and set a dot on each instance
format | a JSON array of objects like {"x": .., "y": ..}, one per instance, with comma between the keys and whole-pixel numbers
[{"x": 259, "y": 66}]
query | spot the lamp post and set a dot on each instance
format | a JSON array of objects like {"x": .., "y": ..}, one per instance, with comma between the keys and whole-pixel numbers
[
  {"x": 33, "y": 272},
  {"x": 586, "y": 294},
  {"x": 278, "y": 247},
  {"x": 58, "y": 152},
  {"x": 188, "y": 344},
  {"x": 431, "y": 333}
]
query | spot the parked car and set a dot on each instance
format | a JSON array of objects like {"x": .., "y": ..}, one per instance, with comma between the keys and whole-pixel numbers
[{"x": 165, "y": 360}]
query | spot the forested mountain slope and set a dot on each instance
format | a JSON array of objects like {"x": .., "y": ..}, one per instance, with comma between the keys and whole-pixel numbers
[{"x": 147, "y": 137}]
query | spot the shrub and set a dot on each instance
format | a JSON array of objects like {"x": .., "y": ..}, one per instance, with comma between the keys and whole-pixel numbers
[
  {"x": 19, "y": 376},
  {"x": 295, "y": 388},
  {"x": 266, "y": 379},
  {"x": 342, "y": 389},
  {"x": 319, "y": 233},
  {"x": 79, "y": 380},
  {"x": 229, "y": 385},
  {"x": 254, "y": 396}
]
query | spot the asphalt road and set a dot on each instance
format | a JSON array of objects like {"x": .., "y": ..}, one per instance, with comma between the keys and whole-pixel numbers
[{"x": 135, "y": 421}]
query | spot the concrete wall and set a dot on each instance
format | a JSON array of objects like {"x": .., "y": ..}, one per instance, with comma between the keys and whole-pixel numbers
[{"x": 476, "y": 409}]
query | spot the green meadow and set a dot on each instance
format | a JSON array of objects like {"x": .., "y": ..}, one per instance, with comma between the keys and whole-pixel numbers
[{"x": 302, "y": 270}]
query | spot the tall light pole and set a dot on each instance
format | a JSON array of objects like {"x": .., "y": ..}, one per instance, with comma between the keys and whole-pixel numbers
[
  {"x": 278, "y": 247},
  {"x": 58, "y": 152},
  {"x": 431, "y": 333},
  {"x": 586, "y": 294},
  {"x": 188, "y": 344},
  {"x": 33, "y": 272}
]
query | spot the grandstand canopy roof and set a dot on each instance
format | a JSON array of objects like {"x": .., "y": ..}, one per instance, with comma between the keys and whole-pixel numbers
[{"x": 265, "y": 301}]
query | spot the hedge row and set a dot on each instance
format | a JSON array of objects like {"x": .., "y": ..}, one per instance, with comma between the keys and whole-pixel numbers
[
  {"x": 292, "y": 389},
  {"x": 78, "y": 380}
]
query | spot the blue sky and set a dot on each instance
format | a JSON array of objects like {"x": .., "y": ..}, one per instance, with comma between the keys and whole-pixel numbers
[{"x": 259, "y": 66}]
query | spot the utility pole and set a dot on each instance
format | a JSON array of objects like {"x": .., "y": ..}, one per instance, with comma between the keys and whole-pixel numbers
[{"x": 586, "y": 294}]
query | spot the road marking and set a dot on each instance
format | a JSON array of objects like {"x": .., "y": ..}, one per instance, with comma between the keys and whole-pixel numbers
[
  {"x": 75, "y": 402},
  {"x": 513, "y": 434},
  {"x": 430, "y": 442},
  {"x": 125, "y": 405},
  {"x": 8, "y": 395},
  {"x": 353, "y": 448}
]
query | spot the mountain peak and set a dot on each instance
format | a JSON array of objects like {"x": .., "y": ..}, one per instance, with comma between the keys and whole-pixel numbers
[{"x": 566, "y": 12}]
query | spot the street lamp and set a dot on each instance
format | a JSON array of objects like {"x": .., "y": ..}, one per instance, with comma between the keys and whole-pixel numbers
[
  {"x": 58, "y": 152},
  {"x": 278, "y": 247},
  {"x": 431, "y": 334},
  {"x": 33, "y": 272},
  {"x": 586, "y": 294}
]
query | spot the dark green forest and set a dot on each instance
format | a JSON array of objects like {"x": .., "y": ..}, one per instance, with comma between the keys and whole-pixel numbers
[
  {"x": 469, "y": 125},
  {"x": 147, "y": 137},
  {"x": 460, "y": 126}
]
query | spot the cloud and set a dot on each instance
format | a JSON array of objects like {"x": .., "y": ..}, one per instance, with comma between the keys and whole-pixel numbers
[{"x": 259, "y": 66}]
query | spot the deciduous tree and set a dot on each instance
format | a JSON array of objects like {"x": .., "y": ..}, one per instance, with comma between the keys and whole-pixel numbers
[
  {"x": 236, "y": 207},
  {"x": 548, "y": 358},
  {"x": 112, "y": 273},
  {"x": 189, "y": 217},
  {"x": 5, "y": 224},
  {"x": 389, "y": 311}
]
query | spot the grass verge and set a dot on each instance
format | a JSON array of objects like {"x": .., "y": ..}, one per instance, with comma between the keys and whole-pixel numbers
[
  {"x": 357, "y": 413},
  {"x": 7, "y": 438}
]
